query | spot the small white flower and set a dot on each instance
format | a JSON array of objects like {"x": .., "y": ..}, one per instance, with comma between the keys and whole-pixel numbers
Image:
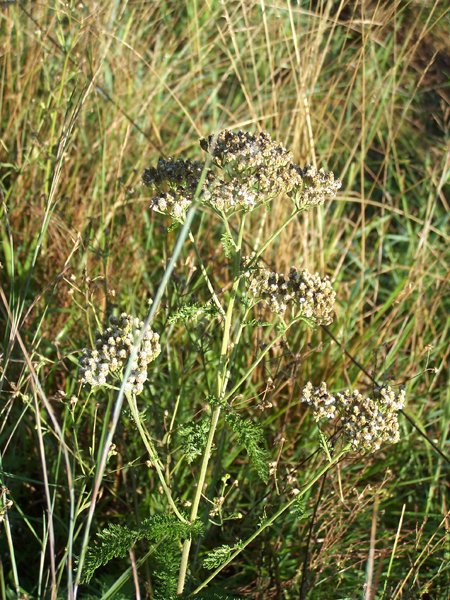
[{"x": 115, "y": 345}]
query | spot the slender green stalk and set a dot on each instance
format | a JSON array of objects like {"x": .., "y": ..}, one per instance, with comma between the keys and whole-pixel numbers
[
  {"x": 221, "y": 379},
  {"x": 254, "y": 364},
  {"x": 275, "y": 234},
  {"x": 205, "y": 275},
  {"x": 10, "y": 542},
  {"x": 125, "y": 576},
  {"x": 153, "y": 454},
  {"x": 271, "y": 520}
]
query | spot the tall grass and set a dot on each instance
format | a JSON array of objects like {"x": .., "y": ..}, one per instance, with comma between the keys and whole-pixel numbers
[{"x": 92, "y": 93}]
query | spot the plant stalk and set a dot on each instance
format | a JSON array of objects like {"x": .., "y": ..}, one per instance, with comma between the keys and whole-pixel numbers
[
  {"x": 271, "y": 520},
  {"x": 221, "y": 379},
  {"x": 153, "y": 454}
]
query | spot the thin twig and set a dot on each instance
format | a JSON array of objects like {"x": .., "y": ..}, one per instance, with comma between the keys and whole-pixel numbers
[{"x": 304, "y": 580}]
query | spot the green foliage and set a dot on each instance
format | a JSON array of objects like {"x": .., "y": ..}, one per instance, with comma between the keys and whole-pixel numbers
[
  {"x": 113, "y": 542},
  {"x": 324, "y": 444},
  {"x": 257, "y": 323},
  {"x": 164, "y": 566},
  {"x": 298, "y": 508},
  {"x": 116, "y": 540},
  {"x": 217, "y": 557},
  {"x": 193, "y": 438},
  {"x": 251, "y": 437},
  {"x": 192, "y": 311},
  {"x": 228, "y": 245}
]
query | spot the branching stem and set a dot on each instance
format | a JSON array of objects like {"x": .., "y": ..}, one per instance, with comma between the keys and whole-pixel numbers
[
  {"x": 267, "y": 523},
  {"x": 221, "y": 380},
  {"x": 153, "y": 454}
]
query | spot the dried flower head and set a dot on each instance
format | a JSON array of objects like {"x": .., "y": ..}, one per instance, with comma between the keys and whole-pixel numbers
[
  {"x": 312, "y": 295},
  {"x": 323, "y": 403},
  {"x": 247, "y": 169},
  {"x": 318, "y": 186},
  {"x": 175, "y": 182},
  {"x": 260, "y": 166},
  {"x": 367, "y": 422},
  {"x": 226, "y": 195},
  {"x": 113, "y": 349}
]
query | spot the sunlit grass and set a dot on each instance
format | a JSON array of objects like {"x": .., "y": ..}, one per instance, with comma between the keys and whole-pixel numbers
[{"x": 91, "y": 95}]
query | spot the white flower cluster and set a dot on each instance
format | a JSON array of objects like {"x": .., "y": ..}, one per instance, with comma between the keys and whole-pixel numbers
[
  {"x": 390, "y": 398},
  {"x": 225, "y": 195},
  {"x": 247, "y": 169},
  {"x": 173, "y": 205},
  {"x": 175, "y": 180},
  {"x": 323, "y": 403},
  {"x": 317, "y": 187},
  {"x": 367, "y": 422},
  {"x": 112, "y": 352},
  {"x": 311, "y": 294},
  {"x": 262, "y": 167}
]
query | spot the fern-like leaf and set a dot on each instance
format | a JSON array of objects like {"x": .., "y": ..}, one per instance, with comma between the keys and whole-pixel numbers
[
  {"x": 193, "y": 438},
  {"x": 116, "y": 540},
  {"x": 218, "y": 556},
  {"x": 229, "y": 247},
  {"x": 113, "y": 542},
  {"x": 251, "y": 437},
  {"x": 188, "y": 312}
]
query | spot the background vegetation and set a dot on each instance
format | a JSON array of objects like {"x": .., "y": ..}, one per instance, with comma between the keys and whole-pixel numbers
[{"x": 92, "y": 93}]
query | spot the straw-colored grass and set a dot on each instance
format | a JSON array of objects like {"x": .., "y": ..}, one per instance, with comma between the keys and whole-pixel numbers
[{"x": 92, "y": 93}]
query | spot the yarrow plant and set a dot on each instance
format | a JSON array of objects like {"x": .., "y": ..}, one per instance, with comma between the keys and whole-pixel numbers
[
  {"x": 244, "y": 171},
  {"x": 241, "y": 173},
  {"x": 311, "y": 296}
]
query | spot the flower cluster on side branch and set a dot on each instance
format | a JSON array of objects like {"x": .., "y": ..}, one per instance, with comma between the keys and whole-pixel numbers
[
  {"x": 312, "y": 295},
  {"x": 113, "y": 349},
  {"x": 367, "y": 422}
]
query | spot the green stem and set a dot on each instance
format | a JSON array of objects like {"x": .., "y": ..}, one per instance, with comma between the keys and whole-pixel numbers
[
  {"x": 253, "y": 366},
  {"x": 275, "y": 235},
  {"x": 153, "y": 454},
  {"x": 205, "y": 275},
  {"x": 9, "y": 539},
  {"x": 221, "y": 379},
  {"x": 271, "y": 520}
]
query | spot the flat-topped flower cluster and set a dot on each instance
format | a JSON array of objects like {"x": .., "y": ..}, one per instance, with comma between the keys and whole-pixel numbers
[
  {"x": 244, "y": 171},
  {"x": 312, "y": 295},
  {"x": 367, "y": 422},
  {"x": 113, "y": 350}
]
